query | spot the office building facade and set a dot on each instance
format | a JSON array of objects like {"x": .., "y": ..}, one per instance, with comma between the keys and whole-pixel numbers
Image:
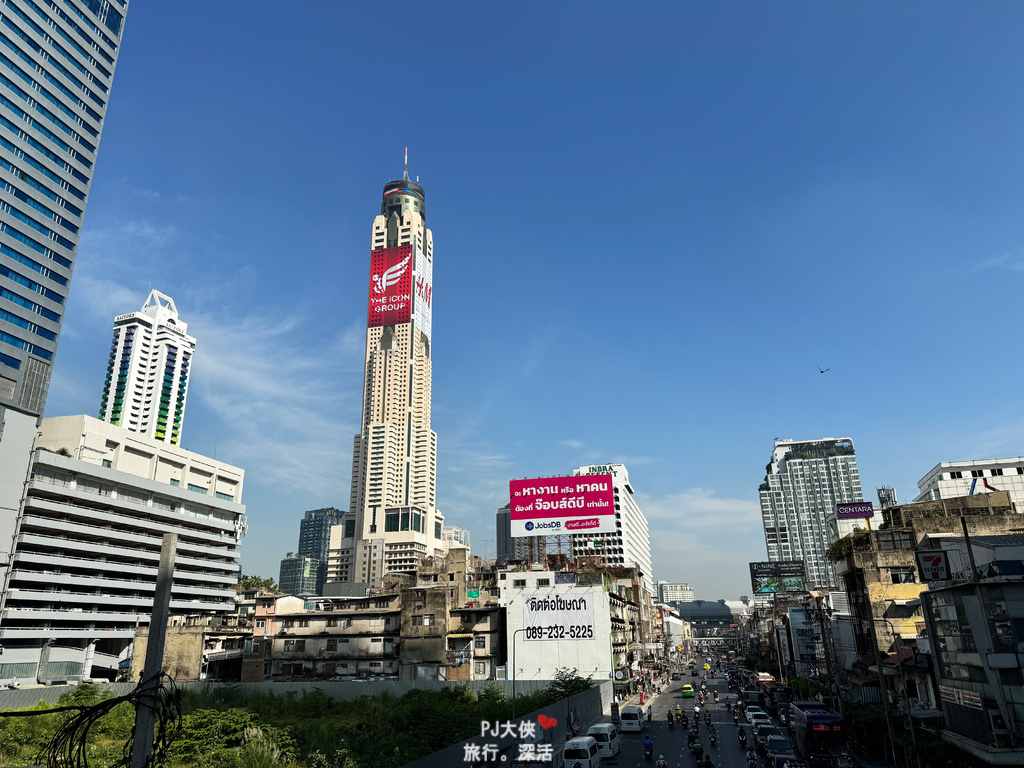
[
  {"x": 674, "y": 592},
  {"x": 394, "y": 456},
  {"x": 805, "y": 481},
  {"x": 147, "y": 375},
  {"x": 299, "y": 575},
  {"x": 951, "y": 479},
  {"x": 630, "y": 545},
  {"x": 56, "y": 71},
  {"x": 83, "y": 572}
]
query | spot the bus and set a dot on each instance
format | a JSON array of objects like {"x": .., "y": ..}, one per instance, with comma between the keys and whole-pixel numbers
[{"x": 817, "y": 730}]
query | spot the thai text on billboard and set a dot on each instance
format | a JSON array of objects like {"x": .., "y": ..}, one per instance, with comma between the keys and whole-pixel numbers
[
  {"x": 780, "y": 576},
  {"x": 856, "y": 509},
  {"x": 559, "y": 617},
  {"x": 559, "y": 505},
  {"x": 391, "y": 285}
]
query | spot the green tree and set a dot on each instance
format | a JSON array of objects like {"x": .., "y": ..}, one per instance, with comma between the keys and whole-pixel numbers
[{"x": 250, "y": 583}]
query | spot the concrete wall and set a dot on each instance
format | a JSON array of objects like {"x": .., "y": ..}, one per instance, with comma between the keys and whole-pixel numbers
[
  {"x": 183, "y": 652},
  {"x": 587, "y": 708}
]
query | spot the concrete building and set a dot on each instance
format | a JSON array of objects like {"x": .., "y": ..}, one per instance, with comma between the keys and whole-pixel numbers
[
  {"x": 147, "y": 375},
  {"x": 538, "y": 658},
  {"x": 394, "y": 456},
  {"x": 197, "y": 648},
  {"x": 87, "y": 544},
  {"x": 299, "y": 575},
  {"x": 444, "y": 623},
  {"x": 455, "y": 537},
  {"x": 529, "y": 549},
  {"x": 976, "y": 626},
  {"x": 630, "y": 546},
  {"x": 55, "y": 101},
  {"x": 674, "y": 592},
  {"x": 805, "y": 481},
  {"x": 967, "y": 478}
]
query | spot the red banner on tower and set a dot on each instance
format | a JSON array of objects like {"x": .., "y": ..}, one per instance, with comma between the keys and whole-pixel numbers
[{"x": 390, "y": 286}]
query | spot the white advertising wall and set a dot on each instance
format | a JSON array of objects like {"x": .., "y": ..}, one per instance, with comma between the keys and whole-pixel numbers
[{"x": 559, "y": 626}]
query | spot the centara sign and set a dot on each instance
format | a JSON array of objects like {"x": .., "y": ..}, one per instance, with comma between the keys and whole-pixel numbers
[{"x": 557, "y": 505}]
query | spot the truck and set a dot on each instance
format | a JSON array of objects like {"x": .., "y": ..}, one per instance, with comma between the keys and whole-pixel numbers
[
  {"x": 816, "y": 730},
  {"x": 751, "y": 698}
]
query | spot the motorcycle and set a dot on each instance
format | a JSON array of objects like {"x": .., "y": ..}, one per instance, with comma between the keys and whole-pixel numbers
[
  {"x": 671, "y": 722},
  {"x": 742, "y": 737},
  {"x": 697, "y": 749},
  {"x": 713, "y": 738},
  {"x": 716, "y": 697},
  {"x": 736, "y": 717},
  {"x": 648, "y": 753}
]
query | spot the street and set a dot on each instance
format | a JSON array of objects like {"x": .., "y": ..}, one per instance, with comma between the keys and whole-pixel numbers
[{"x": 671, "y": 742}]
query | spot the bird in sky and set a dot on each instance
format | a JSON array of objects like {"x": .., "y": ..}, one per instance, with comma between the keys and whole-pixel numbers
[{"x": 823, "y": 370}]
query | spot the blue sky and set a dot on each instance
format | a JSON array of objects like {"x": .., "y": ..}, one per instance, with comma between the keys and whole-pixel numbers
[{"x": 651, "y": 221}]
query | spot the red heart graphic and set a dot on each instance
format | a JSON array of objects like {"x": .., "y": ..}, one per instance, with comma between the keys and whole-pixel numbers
[{"x": 546, "y": 722}]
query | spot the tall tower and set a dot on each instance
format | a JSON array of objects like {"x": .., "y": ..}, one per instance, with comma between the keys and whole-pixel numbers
[
  {"x": 805, "y": 482},
  {"x": 394, "y": 457},
  {"x": 58, "y": 64},
  {"x": 147, "y": 376}
]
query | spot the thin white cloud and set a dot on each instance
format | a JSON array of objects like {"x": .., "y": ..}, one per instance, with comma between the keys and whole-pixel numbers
[{"x": 1011, "y": 261}]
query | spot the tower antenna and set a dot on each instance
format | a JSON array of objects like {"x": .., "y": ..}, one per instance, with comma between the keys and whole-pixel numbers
[{"x": 405, "y": 175}]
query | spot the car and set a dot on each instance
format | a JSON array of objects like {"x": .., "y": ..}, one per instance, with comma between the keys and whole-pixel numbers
[
  {"x": 677, "y": 675},
  {"x": 758, "y": 718},
  {"x": 763, "y": 732},
  {"x": 687, "y": 692},
  {"x": 778, "y": 746},
  {"x": 749, "y": 710}
]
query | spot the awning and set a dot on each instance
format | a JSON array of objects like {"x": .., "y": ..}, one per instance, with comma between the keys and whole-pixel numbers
[
  {"x": 461, "y": 635},
  {"x": 914, "y": 601}
]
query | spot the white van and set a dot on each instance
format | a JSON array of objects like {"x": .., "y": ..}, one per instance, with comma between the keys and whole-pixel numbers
[
  {"x": 607, "y": 738},
  {"x": 581, "y": 752},
  {"x": 633, "y": 719}
]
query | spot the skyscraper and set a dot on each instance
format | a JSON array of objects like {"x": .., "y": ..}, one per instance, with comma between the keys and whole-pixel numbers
[
  {"x": 147, "y": 376},
  {"x": 394, "y": 457},
  {"x": 314, "y": 544},
  {"x": 804, "y": 483},
  {"x": 57, "y": 66},
  {"x": 630, "y": 546}
]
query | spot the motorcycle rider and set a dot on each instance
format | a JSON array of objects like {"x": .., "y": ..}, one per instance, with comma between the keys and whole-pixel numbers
[
  {"x": 662, "y": 763},
  {"x": 649, "y": 713},
  {"x": 648, "y": 744},
  {"x": 751, "y": 756},
  {"x": 671, "y": 718},
  {"x": 736, "y": 716}
]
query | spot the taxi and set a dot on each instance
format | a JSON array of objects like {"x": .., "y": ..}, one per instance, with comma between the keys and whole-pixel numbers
[
  {"x": 687, "y": 692},
  {"x": 707, "y": 666}
]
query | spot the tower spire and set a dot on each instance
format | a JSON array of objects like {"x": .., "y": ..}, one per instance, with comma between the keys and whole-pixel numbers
[{"x": 405, "y": 176}]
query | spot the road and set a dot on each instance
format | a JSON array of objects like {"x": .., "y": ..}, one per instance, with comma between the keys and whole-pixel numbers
[{"x": 671, "y": 742}]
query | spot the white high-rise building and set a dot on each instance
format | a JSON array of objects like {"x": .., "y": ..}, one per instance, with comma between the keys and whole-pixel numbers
[
  {"x": 674, "y": 592},
  {"x": 968, "y": 478},
  {"x": 147, "y": 376},
  {"x": 630, "y": 546},
  {"x": 394, "y": 456},
  {"x": 82, "y": 575},
  {"x": 805, "y": 482}
]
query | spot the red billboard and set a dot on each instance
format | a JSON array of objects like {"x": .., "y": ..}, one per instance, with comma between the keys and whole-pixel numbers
[
  {"x": 390, "y": 286},
  {"x": 551, "y": 505}
]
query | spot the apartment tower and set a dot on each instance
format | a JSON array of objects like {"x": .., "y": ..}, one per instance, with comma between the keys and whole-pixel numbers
[
  {"x": 394, "y": 457},
  {"x": 147, "y": 376},
  {"x": 805, "y": 481},
  {"x": 58, "y": 64}
]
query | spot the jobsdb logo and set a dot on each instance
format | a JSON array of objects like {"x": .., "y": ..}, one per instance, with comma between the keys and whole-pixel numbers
[{"x": 530, "y": 525}]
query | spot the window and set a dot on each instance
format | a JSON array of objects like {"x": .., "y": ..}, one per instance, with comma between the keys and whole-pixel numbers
[
  {"x": 519, "y": 583},
  {"x": 224, "y": 496},
  {"x": 480, "y": 642},
  {"x": 350, "y": 529},
  {"x": 381, "y": 604},
  {"x": 376, "y": 621},
  {"x": 390, "y": 522},
  {"x": 480, "y": 668},
  {"x": 902, "y": 575},
  {"x": 955, "y": 475},
  {"x": 304, "y": 623},
  {"x": 174, "y": 481},
  {"x": 332, "y": 646},
  {"x": 196, "y": 488},
  {"x": 997, "y": 472},
  {"x": 977, "y": 473},
  {"x": 107, "y": 464},
  {"x": 543, "y": 582},
  {"x": 255, "y": 646},
  {"x": 268, "y": 603},
  {"x": 261, "y": 623},
  {"x": 287, "y": 624},
  {"x": 294, "y": 646}
]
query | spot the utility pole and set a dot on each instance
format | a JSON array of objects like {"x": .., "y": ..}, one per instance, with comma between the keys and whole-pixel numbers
[{"x": 149, "y": 699}]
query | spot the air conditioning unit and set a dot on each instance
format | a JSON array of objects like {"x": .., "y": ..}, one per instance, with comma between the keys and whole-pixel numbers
[{"x": 998, "y": 722}]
